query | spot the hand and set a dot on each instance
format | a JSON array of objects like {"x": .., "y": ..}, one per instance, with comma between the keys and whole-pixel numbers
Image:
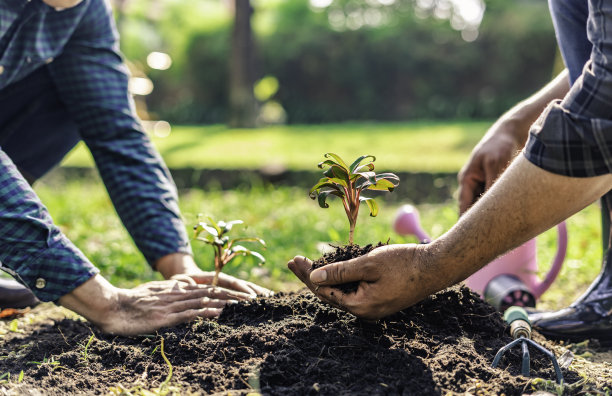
[
  {"x": 181, "y": 266},
  {"x": 488, "y": 160},
  {"x": 62, "y": 4},
  {"x": 147, "y": 307},
  {"x": 391, "y": 278},
  {"x": 227, "y": 282}
]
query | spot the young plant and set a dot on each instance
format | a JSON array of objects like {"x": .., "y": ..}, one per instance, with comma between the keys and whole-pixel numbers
[
  {"x": 225, "y": 248},
  {"x": 348, "y": 182}
]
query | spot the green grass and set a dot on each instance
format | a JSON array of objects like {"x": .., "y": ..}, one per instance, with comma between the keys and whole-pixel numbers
[
  {"x": 291, "y": 224},
  {"x": 398, "y": 146}
]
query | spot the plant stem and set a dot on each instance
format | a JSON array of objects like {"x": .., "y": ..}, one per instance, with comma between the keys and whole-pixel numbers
[
  {"x": 216, "y": 278},
  {"x": 351, "y": 232}
]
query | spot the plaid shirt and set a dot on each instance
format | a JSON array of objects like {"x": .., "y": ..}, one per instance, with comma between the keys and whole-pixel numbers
[
  {"x": 573, "y": 137},
  {"x": 79, "y": 47}
]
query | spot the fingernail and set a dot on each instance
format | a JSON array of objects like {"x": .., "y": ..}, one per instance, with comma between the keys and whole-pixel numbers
[{"x": 318, "y": 276}]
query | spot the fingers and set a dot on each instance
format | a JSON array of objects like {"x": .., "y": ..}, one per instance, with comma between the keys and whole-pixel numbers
[
  {"x": 230, "y": 282},
  {"x": 301, "y": 267},
  {"x": 353, "y": 270}
]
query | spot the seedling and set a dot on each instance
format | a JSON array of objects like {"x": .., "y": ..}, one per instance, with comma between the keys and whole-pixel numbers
[
  {"x": 214, "y": 234},
  {"x": 348, "y": 182}
]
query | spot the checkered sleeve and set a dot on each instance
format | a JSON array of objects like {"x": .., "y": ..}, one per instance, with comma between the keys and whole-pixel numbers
[
  {"x": 32, "y": 248},
  {"x": 92, "y": 81},
  {"x": 573, "y": 137}
]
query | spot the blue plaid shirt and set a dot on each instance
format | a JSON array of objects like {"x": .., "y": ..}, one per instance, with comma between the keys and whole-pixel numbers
[
  {"x": 80, "y": 48},
  {"x": 573, "y": 137}
]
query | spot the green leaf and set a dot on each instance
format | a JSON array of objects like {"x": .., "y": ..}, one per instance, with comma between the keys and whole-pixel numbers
[
  {"x": 370, "y": 176},
  {"x": 381, "y": 185},
  {"x": 228, "y": 226},
  {"x": 358, "y": 161},
  {"x": 205, "y": 227},
  {"x": 338, "y": 160},
  {"x": 372, "y": 205},
  {"x": 365, "y": 168},
  {"x": 246, "y": 252},
  {"x": 336, "y": 172},
  {"x": 323, "y": 183},
  {"x": 213, "y": 223},
  {"x": 326, "y": 193},
  {"x": 20, "y": 378},
  {"x": 14, "y": 326}
]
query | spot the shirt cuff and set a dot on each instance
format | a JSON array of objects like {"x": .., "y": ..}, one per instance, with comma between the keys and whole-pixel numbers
[
  {"x": 56, "y": 271},
  {"x": 569, "y": 144}
]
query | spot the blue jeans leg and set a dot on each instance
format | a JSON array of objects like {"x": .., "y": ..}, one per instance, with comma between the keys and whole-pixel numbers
[
  {"x": 36, "y": 131},
  {"x": 570, "y": 21}
]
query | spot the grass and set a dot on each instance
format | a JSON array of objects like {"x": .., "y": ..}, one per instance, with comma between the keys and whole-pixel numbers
[
  {"x": 406, "y": 146},
  {"x": 291, "y": 224}
]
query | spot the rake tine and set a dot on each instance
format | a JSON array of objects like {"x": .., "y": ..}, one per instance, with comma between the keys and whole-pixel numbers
[
  {"x": 525, "y": 366},
  {"x": 552, "y": 357}
]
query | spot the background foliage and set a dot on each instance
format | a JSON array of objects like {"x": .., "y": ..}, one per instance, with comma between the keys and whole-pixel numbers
[{"x": 401, "y": 60}]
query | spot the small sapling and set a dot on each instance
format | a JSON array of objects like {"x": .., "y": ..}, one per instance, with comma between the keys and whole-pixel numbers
[
  {"x": 348, "y": 182},
  {"x": 214, "y": 234}
]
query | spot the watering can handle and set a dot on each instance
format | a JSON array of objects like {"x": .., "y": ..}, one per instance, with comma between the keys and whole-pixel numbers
[{"x": 540, "y": 288}]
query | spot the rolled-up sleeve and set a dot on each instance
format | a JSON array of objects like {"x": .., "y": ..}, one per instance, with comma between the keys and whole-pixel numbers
[
  {"x": 573, "y": 137},
  {"x": 32, "y": 248}
]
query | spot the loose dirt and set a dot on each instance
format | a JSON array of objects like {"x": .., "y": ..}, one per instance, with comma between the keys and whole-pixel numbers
[{"x": 289, "y": 344}]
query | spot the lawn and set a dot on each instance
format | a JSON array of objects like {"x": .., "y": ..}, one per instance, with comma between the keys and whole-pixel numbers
[{"x": 416, "y": 146}]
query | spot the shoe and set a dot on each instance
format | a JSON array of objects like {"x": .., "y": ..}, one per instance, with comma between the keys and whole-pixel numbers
[
  {"x": 589, "y": 317},
  {"x": 14, "y": 295}
]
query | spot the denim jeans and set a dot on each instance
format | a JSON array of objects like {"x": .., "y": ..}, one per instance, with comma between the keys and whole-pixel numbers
[
  {"x": 570, "y": 22},
  {"x": 36, "y": 131}
]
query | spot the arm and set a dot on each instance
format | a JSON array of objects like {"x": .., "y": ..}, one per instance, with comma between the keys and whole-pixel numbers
[
  {"x": 525, "y": 201},
  {"x": 503, "y": 141},
  {"x": 91, "y": 79}
]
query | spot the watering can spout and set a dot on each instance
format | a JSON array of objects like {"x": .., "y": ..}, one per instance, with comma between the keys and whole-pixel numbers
[{"x": 407, "y": 223}]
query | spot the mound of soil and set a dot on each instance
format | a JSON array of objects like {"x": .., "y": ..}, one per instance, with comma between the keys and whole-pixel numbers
[{"x": 289, "y": 344}]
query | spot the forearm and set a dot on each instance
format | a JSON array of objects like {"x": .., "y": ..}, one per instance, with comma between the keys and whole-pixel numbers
[
  {"x": 524, "y": 202},
  {"x": 93, "y": 300},
  {"x": 527, "y": 111}
]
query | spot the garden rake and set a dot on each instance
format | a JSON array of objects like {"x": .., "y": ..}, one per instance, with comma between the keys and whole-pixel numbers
[{"x": 520, "y": 329}]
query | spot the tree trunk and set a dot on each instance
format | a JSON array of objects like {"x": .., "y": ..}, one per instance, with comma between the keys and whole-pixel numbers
[{"x": 242, "y": 103}]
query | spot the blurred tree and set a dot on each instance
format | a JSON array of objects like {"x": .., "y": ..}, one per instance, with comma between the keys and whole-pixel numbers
[{"x": 242, "y": 102}]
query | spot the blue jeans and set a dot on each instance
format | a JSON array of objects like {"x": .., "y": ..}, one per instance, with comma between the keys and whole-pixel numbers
[
  {"x": 570, "y": 21},
  {"x": 36, "y": 130}
]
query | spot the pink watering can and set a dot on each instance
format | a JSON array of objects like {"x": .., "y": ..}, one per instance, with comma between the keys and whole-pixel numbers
[{"x": 506, "y": 281}]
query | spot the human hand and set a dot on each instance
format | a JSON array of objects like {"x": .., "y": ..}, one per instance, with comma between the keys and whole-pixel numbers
[
  {"x": 391, "y": 278},
  {"x": 227, "y": 282},
  {"x": 62, "y": 4},
  {"x": 147, "y": 307},
  {"x": 488, "y": 160},
  {"x": 181, "y": 266}
]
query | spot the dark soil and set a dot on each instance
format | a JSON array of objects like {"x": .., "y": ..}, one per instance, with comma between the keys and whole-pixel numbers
[
  {"x": 290, "y": 344},
  {"x": 342, "y": 253}
]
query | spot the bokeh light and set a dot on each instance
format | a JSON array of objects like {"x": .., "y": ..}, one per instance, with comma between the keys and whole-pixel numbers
[{"x": 159, "y": 61}]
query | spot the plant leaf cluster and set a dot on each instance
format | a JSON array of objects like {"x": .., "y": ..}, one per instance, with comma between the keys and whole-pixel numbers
[
  {"x": 214, "y": 233},
  {"x": 348, "y": 182}
]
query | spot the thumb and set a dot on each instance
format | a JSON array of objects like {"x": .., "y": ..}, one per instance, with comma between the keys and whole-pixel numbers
[{"x": 341, "y": 272}]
